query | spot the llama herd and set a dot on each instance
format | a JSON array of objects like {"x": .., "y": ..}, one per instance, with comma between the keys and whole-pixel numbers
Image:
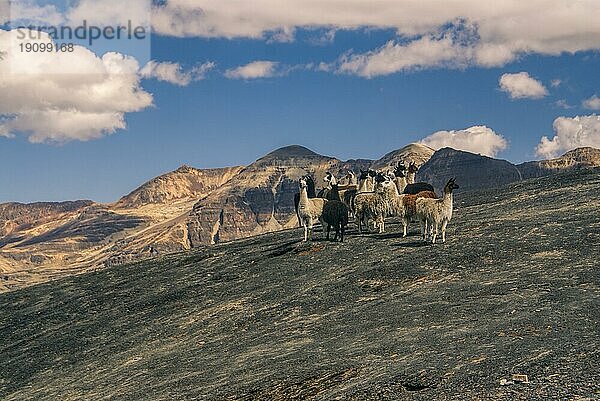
[{"x": 371, "y": 198}]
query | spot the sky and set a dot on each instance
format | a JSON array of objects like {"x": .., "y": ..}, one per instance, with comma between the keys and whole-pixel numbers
[{"x": 221, "y": 83}]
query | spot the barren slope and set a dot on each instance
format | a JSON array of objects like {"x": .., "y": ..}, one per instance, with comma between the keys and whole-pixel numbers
[{"x": 380, "y": 317}]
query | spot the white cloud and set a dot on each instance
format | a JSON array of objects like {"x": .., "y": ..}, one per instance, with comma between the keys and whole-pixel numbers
[
  {"x": 563, "y": 104},
  {"x": 477, "y": 139},
  {"x": 501, "y": 33},
  {"x": 254, "y": 70},
  {"x": 571, "y": 133},
  {"x": 174, "y": 73},
  {"x": 593, "y": 103},
  {"x": 26, "y": 12},
  {"x": 555, "y": 83},
  {"x": 393, "y": 57},
  {"x": 61, "y": 97},
  {"x": 522, "y": 86},
  {"x": 111, "y": 12}
]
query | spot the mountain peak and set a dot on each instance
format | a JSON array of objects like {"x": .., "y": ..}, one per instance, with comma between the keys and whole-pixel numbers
[
  {"x": 291, "y": 151},
  {"x": 414, "y": 152}
]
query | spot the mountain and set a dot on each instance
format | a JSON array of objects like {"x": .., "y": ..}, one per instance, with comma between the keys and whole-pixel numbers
[
  {"x": 379, "y": 317},
  {"x": 184, "y": 183},
  {"x": 472, "y": 171},
  {"x": 414, "y": 152},
  {"x": 44, "y": 240},
  {"x": 260, "y": 199},
  {"x": 572, "y": 160}
]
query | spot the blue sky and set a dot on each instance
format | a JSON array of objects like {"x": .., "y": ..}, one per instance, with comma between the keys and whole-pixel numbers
[{"x": 217, "y": 121}]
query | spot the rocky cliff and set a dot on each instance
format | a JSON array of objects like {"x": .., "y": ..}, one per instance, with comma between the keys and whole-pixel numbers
[{"x": 572, "y": 160}]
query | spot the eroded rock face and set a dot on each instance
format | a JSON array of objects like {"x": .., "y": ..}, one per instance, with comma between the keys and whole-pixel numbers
[
  {"x": 572, "y": 160},
  {"x": 471, "y": 171},
  {"x": 184, "y": 183},
  {"x": 19, "y": 216}
]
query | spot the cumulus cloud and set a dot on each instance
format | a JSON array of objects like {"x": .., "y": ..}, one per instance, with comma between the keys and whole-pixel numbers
[
  {"x": 393, "y": 57},
  {"x": 255, "y": 70},
  {"x": 593, "y": 103},
  {"x": 563, "y": 104},
  {"x": 522, "y": 86},
  {"x": 174, "y": 73},
  {"x": 477, "y": 139},
  {"x": 500, "y": 34},
  {"x": 571, "y": 133},
  {"x": 110, "y": 12},
  {"x": 61, "y": 97}
]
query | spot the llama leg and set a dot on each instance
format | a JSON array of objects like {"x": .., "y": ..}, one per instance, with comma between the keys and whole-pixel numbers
[
  {"x": 305, "y": 232},
  {"x": 444, "y": 224},
  {"x": 435, "y": 232},
  {"x": 404, "y": 226}
]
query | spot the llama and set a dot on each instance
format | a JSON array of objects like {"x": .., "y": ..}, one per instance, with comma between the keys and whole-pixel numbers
[
  {"x": 333, "y": 193},
  {"x": 309, "y": 210},
  {"x": 375, "y": 205},
  {"x": 400, "y": 177},
  {"x": 409, "y": 209},
  {"x": 415, "y": 188},
  {"x": 411, "y": 173},
  {"x": 335, "y": 214},
  {"x": 329, "y": 180},
  {"x": 437, "y": 211},
  {"x": 311, "y": 194}
]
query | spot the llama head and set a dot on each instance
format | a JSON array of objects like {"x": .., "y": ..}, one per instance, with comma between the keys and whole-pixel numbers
[
  {"x": 412, "y": 168},
  {"x": 363, "y": 174},
  {"x": 381, "y": 177},
  {"x": 450, "y": 186},
  {"x": 400, "y": 170},
  {"x": 372, "y": 173},
  {"x": 303, "y": 182}
]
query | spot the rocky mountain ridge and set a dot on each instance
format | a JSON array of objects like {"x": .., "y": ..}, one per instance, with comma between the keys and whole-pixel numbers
[{"x": 190, "y": 207}]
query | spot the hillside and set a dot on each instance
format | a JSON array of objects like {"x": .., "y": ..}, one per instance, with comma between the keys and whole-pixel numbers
[{"x": 380, "y": 317}]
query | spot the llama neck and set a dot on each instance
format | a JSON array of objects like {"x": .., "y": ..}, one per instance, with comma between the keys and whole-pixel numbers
[
  {"x": 400, "y": 183},
  {"x": 363, "y": 185},
  {"x": 410, "y": 178},
  {"x": 311, "y": 190},
  {"x": 303, "y": 196},
  {"x": 447, "y": 200}
]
